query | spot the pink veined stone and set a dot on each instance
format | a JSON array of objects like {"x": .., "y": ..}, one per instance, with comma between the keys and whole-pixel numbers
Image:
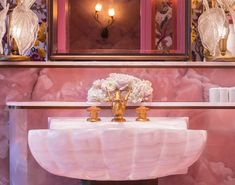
[{"x": 75, "y": 148}]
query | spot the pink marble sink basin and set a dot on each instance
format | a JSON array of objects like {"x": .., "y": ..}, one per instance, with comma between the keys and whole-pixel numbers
[{"x": 128, "y": 151}]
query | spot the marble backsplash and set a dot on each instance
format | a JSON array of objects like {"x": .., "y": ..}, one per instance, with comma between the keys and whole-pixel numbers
[{"x": 217, "y": 164}]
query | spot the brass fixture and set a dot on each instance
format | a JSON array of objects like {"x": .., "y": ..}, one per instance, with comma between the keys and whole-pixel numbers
[
  {"x": 94, "y": 114},
  {"x": 13, "y": 57},
  {"x": 105, "y": 28},
  {"x": 213, "y": 3},
  {"x": 118, "y": 104},
  {"x": 224, "y": 33},
  {"x": 223, "y": 46},
  {"x": 142, "y": 114}
]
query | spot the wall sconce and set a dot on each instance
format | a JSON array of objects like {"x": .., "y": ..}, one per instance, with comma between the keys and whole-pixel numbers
[
  {"x": 22, "y": 30},
  {"x": 214, "y": 29},
  {"x": 105, "y": 28},
  {"x": 224, "y": 32}
]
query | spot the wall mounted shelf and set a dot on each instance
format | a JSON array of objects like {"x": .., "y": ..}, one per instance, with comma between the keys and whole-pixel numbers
[
  {"x": 152, "y": 105},
  {"x": 124, "y": 64}
]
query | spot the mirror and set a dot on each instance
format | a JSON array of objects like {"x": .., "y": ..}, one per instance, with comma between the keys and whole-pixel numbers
[{"x": 119, "y": 29}]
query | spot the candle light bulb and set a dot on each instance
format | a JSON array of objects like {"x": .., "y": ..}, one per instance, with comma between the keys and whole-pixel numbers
[
  {"x": 98, "y": 7},
  {"x": 224, "y": 31},
  {"x": 16, "y": 31},
  {"x": 111, "y": 12}
]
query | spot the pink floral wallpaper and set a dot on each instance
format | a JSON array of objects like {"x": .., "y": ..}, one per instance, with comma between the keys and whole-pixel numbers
[
  {"x": 164, "y": 25},
  {"x": 39, "y": 50},
  {"x": 197, "y": 48}
]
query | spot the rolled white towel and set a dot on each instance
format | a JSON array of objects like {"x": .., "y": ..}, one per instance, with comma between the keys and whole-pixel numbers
[
  {"x": 224, "y": 93},
  {"x": 214, "y": 95},
  {"x": 232, "y": 94}
]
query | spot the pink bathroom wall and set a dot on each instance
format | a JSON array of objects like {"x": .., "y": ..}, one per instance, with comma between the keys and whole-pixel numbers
[
  {"x": 216, "y": 165},
  {"x": 38, "y": 119},
  {"x": 85, "y": 32},
  {"x": 15, "y": 84}
]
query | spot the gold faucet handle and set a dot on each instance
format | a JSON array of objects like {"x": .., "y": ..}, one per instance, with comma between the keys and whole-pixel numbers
[
  {"x": 94, "y": 114},
  {"x": 142, "y": 114}
]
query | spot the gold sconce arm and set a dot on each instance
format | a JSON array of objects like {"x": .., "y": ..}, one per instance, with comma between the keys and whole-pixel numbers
[
  {"x": 110, "y": 21},
  {"x": 96, "y": 17}
]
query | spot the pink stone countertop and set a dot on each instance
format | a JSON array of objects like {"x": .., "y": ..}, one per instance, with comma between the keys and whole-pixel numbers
[
  {"x": 61, "y": 123},
  {"x": 119, "y": 64},
  {"x": 153, "y": 105}
]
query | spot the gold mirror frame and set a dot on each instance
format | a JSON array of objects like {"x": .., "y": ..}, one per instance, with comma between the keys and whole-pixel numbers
[{"x": 52, "y": 31}]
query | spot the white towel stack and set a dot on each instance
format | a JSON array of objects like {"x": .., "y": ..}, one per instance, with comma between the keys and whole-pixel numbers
[
  {"x": 232, "y": 94},
  {"x": 214, "y": 95},
  {"x": 222, "y": 94}
]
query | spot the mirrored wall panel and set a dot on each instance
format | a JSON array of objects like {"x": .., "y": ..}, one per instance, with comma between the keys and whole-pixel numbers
[{"x": 119, "y": 29}]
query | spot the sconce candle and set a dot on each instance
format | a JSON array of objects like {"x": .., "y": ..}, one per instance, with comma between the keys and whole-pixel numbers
[
  {"x": 223, "y": 46},
  {"x": 111, "y": 12},
  {"x": 16, "y": 31},
  {"x": 98, "y": 7},
  {"x": 223, "y": 32}
]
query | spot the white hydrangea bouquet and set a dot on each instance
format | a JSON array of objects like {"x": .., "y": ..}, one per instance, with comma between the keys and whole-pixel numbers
[{"x": 141, "y": 90}]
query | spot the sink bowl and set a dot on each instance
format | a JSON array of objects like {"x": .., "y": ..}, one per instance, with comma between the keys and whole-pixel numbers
[{"x": 78, "y": 149}]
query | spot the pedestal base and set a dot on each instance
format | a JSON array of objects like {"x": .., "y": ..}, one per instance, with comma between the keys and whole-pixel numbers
[{"x": 139, "y": 182}]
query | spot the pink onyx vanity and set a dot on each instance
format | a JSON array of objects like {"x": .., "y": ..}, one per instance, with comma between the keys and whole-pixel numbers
[
  {"x": 35, "y": 94},
  {"x": 114, "y": 151}
]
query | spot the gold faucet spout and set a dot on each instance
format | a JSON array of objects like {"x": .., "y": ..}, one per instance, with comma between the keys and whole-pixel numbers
[{"x": 118, "y": 104}]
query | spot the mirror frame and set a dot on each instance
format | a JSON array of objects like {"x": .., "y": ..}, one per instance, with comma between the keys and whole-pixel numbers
[{"x": 52, "y": 31}]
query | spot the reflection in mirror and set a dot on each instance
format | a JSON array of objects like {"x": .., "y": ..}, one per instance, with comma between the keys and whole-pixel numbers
[{"x": 135, "y": 28}]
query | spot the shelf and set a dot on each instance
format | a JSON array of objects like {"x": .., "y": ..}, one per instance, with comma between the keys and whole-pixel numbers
[
  {"x": 116, "y": 64},
  {"x": 152, "y": 105}
]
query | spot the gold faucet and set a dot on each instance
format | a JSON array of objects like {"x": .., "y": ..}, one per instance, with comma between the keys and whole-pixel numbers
[
  {"x": 142, "y": 114},
  {"x": 118, "y": 104},
  {"x": 94, "y": 114}
]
